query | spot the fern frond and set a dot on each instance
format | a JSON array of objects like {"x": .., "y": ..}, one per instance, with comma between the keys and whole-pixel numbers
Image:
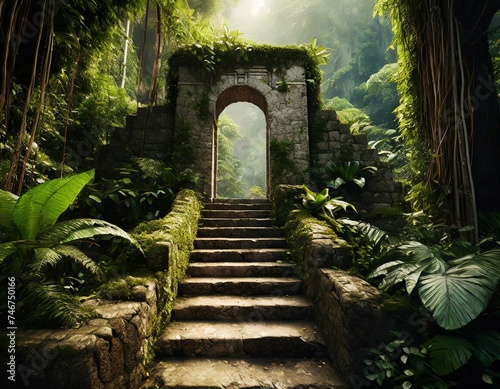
[
  {"x": 45, "y": 257},
  {"x": 52, "y": 303},
  {"x": 79, "y": 257}
]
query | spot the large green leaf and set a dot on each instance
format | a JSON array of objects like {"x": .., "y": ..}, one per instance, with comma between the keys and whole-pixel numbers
[
  {"x": 7, "y": 204},
  {"x": 486, "y": 347},
  {"x": 6, "y": 249},
  {"x": 40, "y": 207},
  {"x": 449, "y": 353},
  {"x": 457, "y": 296}
]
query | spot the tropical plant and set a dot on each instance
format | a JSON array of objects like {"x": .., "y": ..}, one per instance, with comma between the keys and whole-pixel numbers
[
  {"x": 348, "y": 172},
  {"x": 402, "y": 364},
  {"x": 449, "y": 352},
  {"x": 143, "y": 191},
  {"x": 34, "y": 243},
  {"x": 454, "y": 286},
  {"x": 323, "y": 206},
  {"x": 320, "y": 53}
]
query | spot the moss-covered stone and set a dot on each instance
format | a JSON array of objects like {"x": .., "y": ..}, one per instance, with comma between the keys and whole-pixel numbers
[
  {"x": 285, "y": 199},
  {"x": 158, "y": 237}
]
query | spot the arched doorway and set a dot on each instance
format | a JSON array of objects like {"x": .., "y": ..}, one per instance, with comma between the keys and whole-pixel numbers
[
  {"x": 233, "y": 99},
  {"x": 241, "y": 152}
]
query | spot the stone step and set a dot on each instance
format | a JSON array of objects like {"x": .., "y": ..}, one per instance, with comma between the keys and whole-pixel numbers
[
  {"x": 235, "y": 214},
  {"x": 239, "y": 205},
  {"x": 230, "y": 339},
  {"x": 241, "y": 308},
  {"x": 240, "y": 232},
  {"x": 239, "y": 243},
  {"x": 239, "y": 255},
  {"x": 210, "y": 373},
  {"x": 245, "y": 201},
  {"x": 240, "y": 269},
  {"x": 253, "y": 286},
  {"x": 232, "y": 222}
]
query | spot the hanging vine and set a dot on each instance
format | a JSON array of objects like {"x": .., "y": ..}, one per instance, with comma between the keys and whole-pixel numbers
[{"x": 435, "y": 112}]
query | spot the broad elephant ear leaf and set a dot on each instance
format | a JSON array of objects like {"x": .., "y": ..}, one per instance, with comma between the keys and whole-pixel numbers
[
  {"x": 449, "y": 353},
  {"x": 40, "y": 207},
  {"x": 7, "y": 204},
  {"x": 457, "y": 296}
]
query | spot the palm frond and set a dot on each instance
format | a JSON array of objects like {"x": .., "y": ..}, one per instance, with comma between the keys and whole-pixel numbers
[
  {"x": 44, "y": 257},
  {"x": 6, "y": 249}
]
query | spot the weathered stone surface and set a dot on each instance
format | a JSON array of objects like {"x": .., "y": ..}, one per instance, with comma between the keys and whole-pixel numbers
[
  {"x": 240, "y": 286},
  {"x": 239, "y": 255},
  {"x": 240, "y": 269},
  {"x": 240, "y": 232},
  {"x": 237, "y": 339},
  {"x": 239, "y": 243},
  {"x": 244, "y": 374},
  {"x": 108, "y": 352},
  {"x": 352, "y": 316},
  {"x": 323, "y": 252},
  {"x": 242, "y": 308}
]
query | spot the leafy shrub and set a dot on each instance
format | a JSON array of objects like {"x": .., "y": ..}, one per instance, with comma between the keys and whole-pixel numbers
[
  {"x": 338, "y": 104},
  {"x": 144, "y": 191},
  {"x": 348, "y": 173},
  {"x": 35, "y": 249},
  {"x": 323, "y": 206}
]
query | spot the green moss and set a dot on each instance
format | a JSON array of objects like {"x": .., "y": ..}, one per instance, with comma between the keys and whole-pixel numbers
[
  {"x": 183, "y": 145},
  {"x": 121, "y": 288},
  {"x": 167, "y": 244},
  {"x": 299, "y": 230},
  {"x": 281, "y": 158},
  {"x": 203, "y": 105}
]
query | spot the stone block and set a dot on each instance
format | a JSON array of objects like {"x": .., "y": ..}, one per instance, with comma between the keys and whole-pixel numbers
[
  {"x": 322, "y": 252},
  {"x": 352, "y": 316}
]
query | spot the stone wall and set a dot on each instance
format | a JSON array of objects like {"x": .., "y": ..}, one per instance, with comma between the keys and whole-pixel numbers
[
  {"x": 148, "y": 134},
  {"x": 201, "y": 99},
  {"x": 333, "y": 141},
  {"x": 352, "y": 317},
  {"x": 108, "y": 352}
]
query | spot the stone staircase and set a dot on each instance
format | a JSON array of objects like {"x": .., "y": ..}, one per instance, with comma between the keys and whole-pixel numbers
[{"x": 240, "y": 320}]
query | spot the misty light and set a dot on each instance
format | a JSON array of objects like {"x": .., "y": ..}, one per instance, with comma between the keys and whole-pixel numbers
[{"x": 249, "y": 151}]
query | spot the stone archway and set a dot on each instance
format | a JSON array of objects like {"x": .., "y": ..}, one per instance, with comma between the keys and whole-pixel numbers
[
  {"x": 282, "y": 96},
  {"x": 237, "y": 94}
]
